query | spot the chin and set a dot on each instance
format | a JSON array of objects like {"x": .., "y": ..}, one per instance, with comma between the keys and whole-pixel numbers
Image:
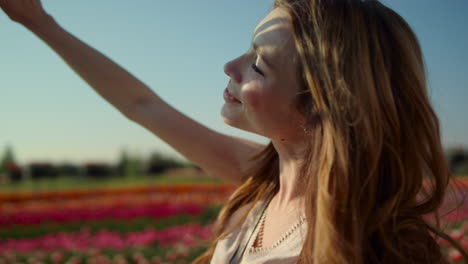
[
  {"x": 232, "y": 121},
  {"x": 229, "y": 117},
  {"x": 237, "y": 120}
]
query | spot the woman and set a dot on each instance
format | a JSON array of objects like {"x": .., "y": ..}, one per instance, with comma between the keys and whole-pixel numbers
[{"x": 339, "y": 88}]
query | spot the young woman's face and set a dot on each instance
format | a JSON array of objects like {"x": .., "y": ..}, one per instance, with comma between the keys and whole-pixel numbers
[{"x": 264, "y": 83}]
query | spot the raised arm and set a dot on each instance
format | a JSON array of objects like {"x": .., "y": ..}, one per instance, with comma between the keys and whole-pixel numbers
[
  {"x": 220, "y": 155},
  {"x": 108, "y": 79}
]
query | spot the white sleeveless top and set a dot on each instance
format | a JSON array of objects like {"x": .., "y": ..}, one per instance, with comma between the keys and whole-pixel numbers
[{"x": 284, "y": 251}]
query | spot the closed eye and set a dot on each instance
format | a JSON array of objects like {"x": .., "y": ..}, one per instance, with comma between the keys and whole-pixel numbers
[{"x": 257, "y": 70}]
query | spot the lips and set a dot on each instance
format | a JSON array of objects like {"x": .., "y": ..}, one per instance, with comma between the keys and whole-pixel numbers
[
  {"x": 229, "y": 97},
  {"x": 233, "y": 96}
]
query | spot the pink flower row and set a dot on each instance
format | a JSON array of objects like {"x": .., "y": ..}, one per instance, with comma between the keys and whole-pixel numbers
[
  {"x": 156, "y": 211},
  {"x": 98, "y": 201},
  {"x": 189, "y": 235}
]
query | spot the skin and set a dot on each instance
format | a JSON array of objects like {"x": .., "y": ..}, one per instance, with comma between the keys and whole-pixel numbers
[{"x": 267, "y": 99}]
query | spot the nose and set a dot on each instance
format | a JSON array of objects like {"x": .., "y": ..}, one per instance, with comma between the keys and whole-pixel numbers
[{"x": 231, "y": 69}]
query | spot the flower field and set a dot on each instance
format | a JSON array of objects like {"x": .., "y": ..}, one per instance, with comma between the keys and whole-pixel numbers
[{"x": 156, "y": 224}]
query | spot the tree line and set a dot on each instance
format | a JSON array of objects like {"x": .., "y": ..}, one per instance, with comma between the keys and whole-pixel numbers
[
  {"x": 155, "y": 164},
  {"x": 127, "y": 166}
]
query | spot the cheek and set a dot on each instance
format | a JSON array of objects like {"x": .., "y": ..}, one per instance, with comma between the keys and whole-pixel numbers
[
  {"x": 252, "y": 99},
  {"x": 256, "y": 99},
  {"x": 259, "y": 102}
]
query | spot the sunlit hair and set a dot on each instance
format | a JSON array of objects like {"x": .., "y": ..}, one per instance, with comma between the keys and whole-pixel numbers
[{"x": 375, "y": 164}]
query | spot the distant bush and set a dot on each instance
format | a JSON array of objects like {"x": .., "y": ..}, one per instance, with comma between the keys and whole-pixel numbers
[
  {"x": 158, "y": 163},
  {"x": 42, "y": 170},
  {"x": 458, "y": 161},
  {"x": 461, "y": 169},
  {"x": 68, "y": 169},
  {"x": 13, "y": 171},
  {"x": 9, "y": 167},
  {"x": 128, "y": 166},
  {"x": 97, "y": 170}
]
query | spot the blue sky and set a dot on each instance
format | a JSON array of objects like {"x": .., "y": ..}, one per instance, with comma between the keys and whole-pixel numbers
[{"x": 178, "y": 48}]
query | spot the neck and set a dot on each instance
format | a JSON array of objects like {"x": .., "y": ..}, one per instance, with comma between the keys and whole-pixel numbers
[{"x": 290, "y": 161}]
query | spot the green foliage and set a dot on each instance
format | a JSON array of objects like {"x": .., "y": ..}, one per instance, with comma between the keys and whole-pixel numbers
[
  {"x": 461, "y": 169},
  {"x": 458, "y": 160},
  {"x": 65, "y": 183},
  {"x": 98, "y": 170},
  {"x": 128, "y": 166},
  {"x": 8, "y": 157},
  {"x": 42, "y": 170},
  {"x": 158, "y": 163},
  {"x": 68, "y": 169},
  {"x": 210, "y": 214}
]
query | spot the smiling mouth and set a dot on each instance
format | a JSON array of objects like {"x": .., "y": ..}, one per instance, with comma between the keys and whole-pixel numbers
[{"x": 230, "y": 98}]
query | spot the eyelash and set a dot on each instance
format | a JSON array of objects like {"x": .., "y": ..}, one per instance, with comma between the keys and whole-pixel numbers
[{"x": 256, "y": 69}]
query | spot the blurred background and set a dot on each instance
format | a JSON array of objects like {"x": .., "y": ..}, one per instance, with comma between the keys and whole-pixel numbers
[{"x": 80, "y": 183}]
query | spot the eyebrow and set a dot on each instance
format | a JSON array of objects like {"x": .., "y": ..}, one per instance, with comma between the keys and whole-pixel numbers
[{"x": 267, "y": 61}]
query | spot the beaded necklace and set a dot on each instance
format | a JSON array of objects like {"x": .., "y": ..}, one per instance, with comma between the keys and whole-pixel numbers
[{"x": 259, "y": 235}]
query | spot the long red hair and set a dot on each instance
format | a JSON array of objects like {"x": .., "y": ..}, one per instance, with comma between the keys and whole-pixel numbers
[{"x": 374, "y": 140}]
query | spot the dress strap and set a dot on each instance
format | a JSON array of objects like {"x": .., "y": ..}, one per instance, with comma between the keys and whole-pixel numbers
[{"x": 250, "y": 230}]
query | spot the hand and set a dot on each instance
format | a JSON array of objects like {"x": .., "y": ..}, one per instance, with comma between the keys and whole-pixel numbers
[{"x": 25, "y": 12}]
